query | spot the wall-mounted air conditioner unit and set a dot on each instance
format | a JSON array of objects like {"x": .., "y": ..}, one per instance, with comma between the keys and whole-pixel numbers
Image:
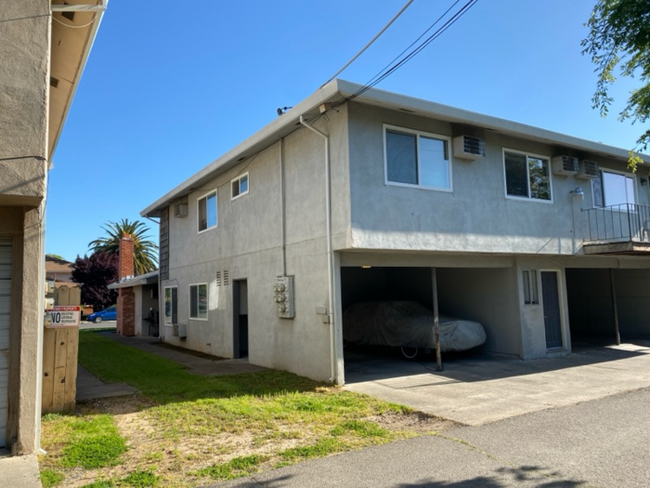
[
  {"x": 180, "y": 210},
  {"x": 469, "y": 147},
  {"x": 588, "y": 170},
  {"x": 182, "y": 331},
  {"x": 565, "y": 165}
]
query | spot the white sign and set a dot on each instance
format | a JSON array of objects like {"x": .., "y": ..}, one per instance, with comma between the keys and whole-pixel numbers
[{"x": 63, "y": 316}]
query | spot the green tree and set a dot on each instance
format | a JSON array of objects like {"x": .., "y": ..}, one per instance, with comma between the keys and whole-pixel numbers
[
  {"x": 145, "y": 257},
  {"x": 619, "y": 41}
]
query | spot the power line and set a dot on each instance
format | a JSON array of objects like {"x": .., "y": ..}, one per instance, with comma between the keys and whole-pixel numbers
[
  {"x": 388, "y": 70},
  {"x": 370, "y": 43}
]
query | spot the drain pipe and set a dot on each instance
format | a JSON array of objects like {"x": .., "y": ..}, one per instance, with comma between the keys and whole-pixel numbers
[{"x": 330, "y": 271}]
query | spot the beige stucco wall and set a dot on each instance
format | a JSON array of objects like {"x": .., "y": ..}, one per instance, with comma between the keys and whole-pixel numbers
[
  {"x": 248, "y": 244},
  {"x": 476, "y": 216},
  {"x": 24, "y": 81}
]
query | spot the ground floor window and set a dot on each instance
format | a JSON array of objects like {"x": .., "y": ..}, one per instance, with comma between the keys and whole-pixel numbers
[
  {"x": 531, "y": 293},
  {"x": 199, "y": 301},
  {"x": 171, "y": 305}
]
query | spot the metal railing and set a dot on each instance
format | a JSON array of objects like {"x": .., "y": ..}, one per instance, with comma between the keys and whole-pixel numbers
[{"x": 620, "y": 223}]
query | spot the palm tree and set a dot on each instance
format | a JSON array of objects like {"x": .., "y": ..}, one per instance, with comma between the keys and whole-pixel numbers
[{"x": 145, "y": 257}]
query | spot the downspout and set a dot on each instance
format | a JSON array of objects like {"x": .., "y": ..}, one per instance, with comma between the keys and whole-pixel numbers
[
  {"x": 330, "y": 271},
  {"x": 283, "y": 237}
]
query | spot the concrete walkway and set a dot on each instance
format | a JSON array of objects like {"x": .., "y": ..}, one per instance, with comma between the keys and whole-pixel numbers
[
  {"x": 479, "y": 390},
  {"x": 19, "y": 471}
]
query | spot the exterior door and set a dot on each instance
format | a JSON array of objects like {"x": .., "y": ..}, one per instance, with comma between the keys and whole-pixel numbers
[
  {"x": 240, "y": 319},
  {"x": 5, "y": 303},
  {"x": 552, "y": 320}
]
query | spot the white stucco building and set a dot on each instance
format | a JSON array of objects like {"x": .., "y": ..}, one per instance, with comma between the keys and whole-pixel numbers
[{"x": 355, "y": 198}]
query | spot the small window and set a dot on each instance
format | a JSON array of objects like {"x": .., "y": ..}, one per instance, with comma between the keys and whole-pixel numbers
[
  {"x": 199, "y": 301},
  {"x": 527, "y": 176},
  {"x": 531, "y": 295},
  {"x": 239, "y": 186},
  {"x": 613, "y": 189},
  {"x": 207, "y": 211},
  {"x": 417, "y": 159},
  {"x": 171, "y": 305}
]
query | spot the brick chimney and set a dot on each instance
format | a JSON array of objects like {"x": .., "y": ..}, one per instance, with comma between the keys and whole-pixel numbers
[
  {"x": 126, "y": 257},
  {"x": 126, "y": 297}
]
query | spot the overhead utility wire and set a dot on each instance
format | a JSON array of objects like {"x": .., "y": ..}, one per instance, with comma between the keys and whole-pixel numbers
[
  {"x": 370, "y": 43},
  {"x": 413, "y": 43},
  {"x": 383, "y": 74}
]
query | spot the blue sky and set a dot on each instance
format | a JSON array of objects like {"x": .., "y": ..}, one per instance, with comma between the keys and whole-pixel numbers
[{"x": 169, "y": 86}]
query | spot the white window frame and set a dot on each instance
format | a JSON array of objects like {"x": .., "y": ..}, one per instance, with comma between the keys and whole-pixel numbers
[
  {"x": 602, "y": 187},
  {"x": 198, "y": 210},
  {"x": 171, "y": 318},
  {"x": 527, "y": 155},
  {"x": 530, "y": 279},
  {"x": 238, "y": 182},
  {"x": 418, "y": 134},
  {"x": 189, "y": 301}
]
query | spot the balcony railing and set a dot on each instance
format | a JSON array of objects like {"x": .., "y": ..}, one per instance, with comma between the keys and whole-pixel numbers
[{"x": 619, "y": 223}]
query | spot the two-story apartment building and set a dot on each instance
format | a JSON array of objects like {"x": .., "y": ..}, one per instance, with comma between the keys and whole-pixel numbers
[
  {"x": 44, "y": 45},
  {"x": 353, "y": 196}
]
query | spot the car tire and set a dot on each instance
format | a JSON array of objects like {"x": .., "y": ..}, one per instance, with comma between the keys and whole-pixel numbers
[
  {"x": 409, "y": 352},
  {"x": 98, "y": 320}
]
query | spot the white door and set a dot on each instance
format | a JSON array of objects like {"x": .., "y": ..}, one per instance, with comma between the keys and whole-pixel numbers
[{"x": 5, "y": 300}]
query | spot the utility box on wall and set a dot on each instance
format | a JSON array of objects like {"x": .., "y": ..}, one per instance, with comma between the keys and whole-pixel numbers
[{"x": 283, "y": 297}]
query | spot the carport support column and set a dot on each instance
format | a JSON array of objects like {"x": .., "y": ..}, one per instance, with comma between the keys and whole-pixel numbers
[
  {"x": 436, "y": 319},
  {"x": 617, "y": 330}
]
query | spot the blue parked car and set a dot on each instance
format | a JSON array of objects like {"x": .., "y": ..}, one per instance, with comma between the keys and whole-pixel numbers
[{"x": 109, "y": 313}]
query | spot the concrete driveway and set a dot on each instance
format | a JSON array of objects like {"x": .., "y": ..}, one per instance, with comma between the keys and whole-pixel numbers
[{"x": 476, "y": 390}]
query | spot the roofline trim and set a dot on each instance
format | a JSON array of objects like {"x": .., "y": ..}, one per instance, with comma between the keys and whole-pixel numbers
[{"x": 393, "y": 100}]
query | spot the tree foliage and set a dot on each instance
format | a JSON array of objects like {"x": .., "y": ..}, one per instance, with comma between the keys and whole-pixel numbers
[
  {"x": 94, "y": 273},
  {"x": 619, "y": 41},
  {"x": 145, "y": 251}
]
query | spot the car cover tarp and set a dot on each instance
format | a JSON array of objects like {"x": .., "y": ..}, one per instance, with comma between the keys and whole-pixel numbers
[{"x": 407, "y": 324}]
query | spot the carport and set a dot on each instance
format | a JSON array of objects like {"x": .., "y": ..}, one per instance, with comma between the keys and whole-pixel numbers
[
  {"x": 607, "y": 306},
  {"x": 486, "y": 295}
]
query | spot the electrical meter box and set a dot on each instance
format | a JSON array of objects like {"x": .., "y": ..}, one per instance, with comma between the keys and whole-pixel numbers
[{"x": 283, "y": 297}]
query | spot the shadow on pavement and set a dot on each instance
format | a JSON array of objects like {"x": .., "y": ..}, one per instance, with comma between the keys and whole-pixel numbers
[{"x": 367, "y": 363}]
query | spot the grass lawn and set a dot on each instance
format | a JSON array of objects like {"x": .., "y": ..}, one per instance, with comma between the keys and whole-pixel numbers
[{"x": 188, "y": 430}]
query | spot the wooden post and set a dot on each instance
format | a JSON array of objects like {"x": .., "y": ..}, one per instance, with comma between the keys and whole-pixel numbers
[
  {"x": 617, "y": 330},
  {"x": 60, "y": 352},
  {"x": 436, "y": 319}
]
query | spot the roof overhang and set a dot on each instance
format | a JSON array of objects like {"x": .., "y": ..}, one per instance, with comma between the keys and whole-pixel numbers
[
  {"x": 338, "y": 91},
  {"x": 150, "y": 278},
  {"x": 72, "y": 40}
]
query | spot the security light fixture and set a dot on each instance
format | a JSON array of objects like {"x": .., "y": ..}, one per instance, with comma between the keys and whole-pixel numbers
[{"x": 578, "y": 193}]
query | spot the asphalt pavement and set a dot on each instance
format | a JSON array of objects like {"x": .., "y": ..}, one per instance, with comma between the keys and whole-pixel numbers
[{"x": 598, "y": 443}]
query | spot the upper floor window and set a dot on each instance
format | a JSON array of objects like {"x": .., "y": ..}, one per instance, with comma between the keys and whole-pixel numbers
[
  {"x": 613, "y": 189},
  {"x": 527, "y": 176},
  {"x": 416, "y": 158},
  {"x": 199, "y": 301},
  {"x": 207, "y": 211},
  {"x": 239, "y": 186}
]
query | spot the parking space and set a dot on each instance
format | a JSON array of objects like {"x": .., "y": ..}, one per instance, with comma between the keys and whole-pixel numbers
[{"x": 476, "y": 389}]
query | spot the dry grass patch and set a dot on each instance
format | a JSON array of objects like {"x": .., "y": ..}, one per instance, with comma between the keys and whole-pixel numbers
[{"x": 201, "y": 429}]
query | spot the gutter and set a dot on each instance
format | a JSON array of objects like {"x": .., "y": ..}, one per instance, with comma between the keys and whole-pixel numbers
[{"x": 330, "y": 270}]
